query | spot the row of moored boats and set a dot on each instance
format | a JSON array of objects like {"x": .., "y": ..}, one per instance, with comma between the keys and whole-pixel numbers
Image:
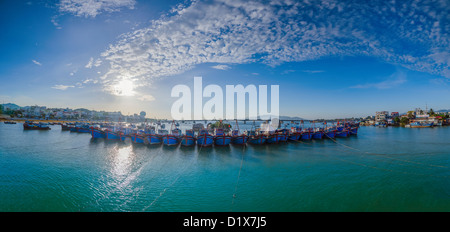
[{"x": 204, "y": 137}]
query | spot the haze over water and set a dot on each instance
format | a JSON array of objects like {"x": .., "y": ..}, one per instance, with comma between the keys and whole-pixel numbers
[{"x": 381, "y": 169}]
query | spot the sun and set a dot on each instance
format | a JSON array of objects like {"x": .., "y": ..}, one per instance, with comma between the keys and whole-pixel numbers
[{"x": 124, "y": 88}]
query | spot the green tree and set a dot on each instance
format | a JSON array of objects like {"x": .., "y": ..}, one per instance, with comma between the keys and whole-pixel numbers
[
  {"x": 431, "y": 113},
  {"x": 404, "y": 121}
]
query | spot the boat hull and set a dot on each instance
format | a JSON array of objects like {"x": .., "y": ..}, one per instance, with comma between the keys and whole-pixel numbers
[
  {"x": 98, "y": 134},
  {"x": 222, "y": 140},
  {"x": 295, "y": 136},
  {"x": 170, "y": 140},
  {"x": 241, "y": 139},
  {"x": 306, "y": 136},
  {"x": 317, "y": 135},
  {"x": 342, "y": 134},
  {"x": 34, "y": 127},
  {"x": 83, "y": 130},
  {"x": 154, "y": 139},
  {"x": 330, "y": 134},
  {"x": 112, "y": 135},
  {"x": 205, "y": 140},
  {"x": 258, "y": 140},
  {"x": 187, "y": 141},
  {"x": 137, "y": 138}
]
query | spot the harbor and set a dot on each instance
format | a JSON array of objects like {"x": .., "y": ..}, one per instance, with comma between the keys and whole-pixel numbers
[{"x": 380, "y": 169}]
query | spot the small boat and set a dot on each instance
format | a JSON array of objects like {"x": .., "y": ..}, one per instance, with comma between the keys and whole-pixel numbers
[
  {"x": 221, "y": 138},
  {"x": 237, "y": 138},
  {"x": 295, "y": 134},
  {"x": 342, "y": 133},
  {"x": 35, "y": 126},
  {"x": 306, "y": 134},
  {"x": 204, "y": 138},
  {"x": 353, "y": 130},
  {"x": 418, "y": 124},
  {"x": 97, "y": 133},
  {"x": 111, "y": 135},
  {"x": 318, "y": 134},
  {"x": 137, "y": 137},
  {"x": 153, "y": 138},
  {"x": 256, "y": 138},
  {"x": 188, "y": 139},
  {"x": 330, "y": 133},
  {"x": 9, "y": 122},
  {"x": 172, "y": 139},
  {"x": 83, "y": 129}
]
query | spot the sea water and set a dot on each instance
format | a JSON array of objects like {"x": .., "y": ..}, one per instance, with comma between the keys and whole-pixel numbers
[{"x": 380, "y": 169}]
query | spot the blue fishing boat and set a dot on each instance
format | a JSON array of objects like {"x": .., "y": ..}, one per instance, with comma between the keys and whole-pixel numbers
[
  {"x": 353, "y": 131},
  {"x": 419, "y": 124},
  {"x": 97, "y": 133},
  {"x": 137, "y": 138},
  {"x": 295, "y": 134},
  {"x": 188, "y": 139},
  {"x": 283, "y": 134},
  {"x": 256, "y": 139},
  {"x": 237, "y": 138},
  {"x": 205, "y": 139},
  {"x": 172, "y": 139},
  {"x": 306, "y": 134},
  {"x": 83, "y": 129},
  {"x": 221, "y": 138},
  {"x": 330, "y": 133},
  {"x": 342, "y": 133},
  {"x": 153, "y": 138},
  {"x": 111, "y": 135},
  {"x": 35, "y": 126},
  {"x": 318, "y": 134}
]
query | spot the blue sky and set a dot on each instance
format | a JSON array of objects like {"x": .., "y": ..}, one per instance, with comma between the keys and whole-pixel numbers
[{"x": 330, "y": 58}]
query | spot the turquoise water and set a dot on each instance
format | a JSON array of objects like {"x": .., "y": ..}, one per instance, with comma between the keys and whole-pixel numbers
[{"x": 382, "y": 169}]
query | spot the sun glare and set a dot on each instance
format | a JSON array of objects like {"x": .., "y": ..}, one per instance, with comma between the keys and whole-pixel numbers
[{"x": 124, "y": 88}]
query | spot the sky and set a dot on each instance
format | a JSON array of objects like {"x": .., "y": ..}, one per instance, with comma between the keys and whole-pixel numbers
[{"x": 330, "y": 59}]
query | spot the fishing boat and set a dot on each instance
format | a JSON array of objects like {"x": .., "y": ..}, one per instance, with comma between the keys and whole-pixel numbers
[
  {"x": 9, "y": 122},
  {"x": 318, "y": 134},
  {"x": 306, "y": 134},
  {"x": 342, "y": 133},
  {"x": 137, "y": 137},
  {"x": 112, "y": 135},
  {"x": 35, "y": 126},
  {"x": 283, "y": 134},
  {"x": 237, "y": 138},
  {"x": 419, "y": 124},
  {"x": 353, "y": 130},
  {"x": 204, "y": 138},
  {"x": 97, "y": 133},
  {"x": 83, "y": 128},
  {"x": 188, "y": 139},
  {"x": 153, "y": 138},
  {"x": 330, "y": 133},
  {"x": 295, "y": 134},
  {"x": 173, "y": 138},
  {"x": 221, "y": 138},
  {"x": 256, "y": 138}
]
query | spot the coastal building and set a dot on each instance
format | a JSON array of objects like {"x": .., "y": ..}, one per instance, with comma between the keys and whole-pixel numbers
[
  {"x": 395, "y": 115},
  {"x": 381, "y": 116}
]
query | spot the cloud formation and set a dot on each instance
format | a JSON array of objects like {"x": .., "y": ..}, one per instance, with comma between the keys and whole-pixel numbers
[
  {"x": 91, "y": 8},
  {"x": 36, "y": 62},
  {"x": 62, "y": 87},
  {"x": 412, "y": 34}
]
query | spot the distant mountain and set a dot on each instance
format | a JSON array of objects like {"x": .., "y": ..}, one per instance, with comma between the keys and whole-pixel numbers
[
  {"x": 10, "y": 106},
  {"x": 291, "y": 118}
]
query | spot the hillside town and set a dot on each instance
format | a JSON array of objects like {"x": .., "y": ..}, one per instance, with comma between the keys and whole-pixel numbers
[{"x": 43, "y": 113}]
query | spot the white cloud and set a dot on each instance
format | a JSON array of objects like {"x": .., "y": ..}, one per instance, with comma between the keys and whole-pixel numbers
[
  {"x": 62, "y": 87},
  {"x": 36, "y": 62},
  {"x": 395, "y": 79},
  {"x": 89, "y": 64},
  {"x": 91, "y": 8},
  {"x": 221, "y": 67},
  {"x": 146, "y": 98},
  {"x": 237, "y": 32}
]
